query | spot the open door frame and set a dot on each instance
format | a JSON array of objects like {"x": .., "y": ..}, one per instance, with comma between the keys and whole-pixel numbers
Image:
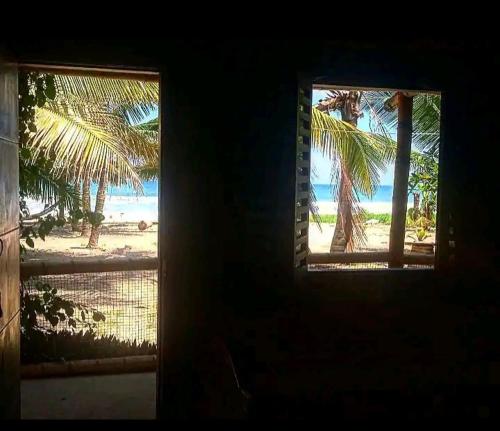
[
  {"x": 9, "y": 244},
  {"x": 9, "y": 219}
]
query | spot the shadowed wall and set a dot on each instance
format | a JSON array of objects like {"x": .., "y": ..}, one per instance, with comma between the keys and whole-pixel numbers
[{"x": 353, "y": 344}]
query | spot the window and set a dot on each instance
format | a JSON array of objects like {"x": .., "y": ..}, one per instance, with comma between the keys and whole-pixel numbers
[{"x": 367, "y": 178}]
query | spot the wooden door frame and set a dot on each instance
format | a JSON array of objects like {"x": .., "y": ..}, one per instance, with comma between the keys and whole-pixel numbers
[{"x": 143, "y": 74}]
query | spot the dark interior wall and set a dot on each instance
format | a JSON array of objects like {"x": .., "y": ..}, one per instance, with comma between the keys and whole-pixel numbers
[
  {"x": 409, "y": 332},
  {"x": 229, "y": 117},
  {"x": 232, "y": 215}
]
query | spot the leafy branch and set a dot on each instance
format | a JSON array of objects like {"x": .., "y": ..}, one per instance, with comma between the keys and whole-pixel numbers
[{"x": 47, "y": 304}]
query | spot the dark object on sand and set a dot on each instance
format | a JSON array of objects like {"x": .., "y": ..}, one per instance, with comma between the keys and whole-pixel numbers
[{"x": 143, "y": 225}]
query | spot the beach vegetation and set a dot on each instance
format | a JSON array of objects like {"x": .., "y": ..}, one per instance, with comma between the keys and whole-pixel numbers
[
  {"x": 47, "y": 305},
  {"x": 54, "y": 346},
  {"x": 423, "y": 184},
  {"x": 421, "y": 225},
  {"x": 364, "y": 217}
]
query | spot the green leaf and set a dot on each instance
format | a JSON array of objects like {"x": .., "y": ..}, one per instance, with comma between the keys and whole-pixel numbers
[{"x": 30, "y": 242}]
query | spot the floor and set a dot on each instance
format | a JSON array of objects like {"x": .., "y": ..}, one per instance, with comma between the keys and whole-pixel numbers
[{"x": 123, "y": 396}]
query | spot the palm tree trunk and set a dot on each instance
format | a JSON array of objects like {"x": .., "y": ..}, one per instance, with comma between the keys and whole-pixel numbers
[
  {"x": 342, "y": 236},
  {"x": 61, "y": 211},
  {"x": 85, "y": 205},
  {"x": 427, "y": 211},
  {"x": 343, "y": 230},
  {"x": 99, "y": 207},
  {"x": 75, "y": 225},
  {"x": 416, "y": 202}
]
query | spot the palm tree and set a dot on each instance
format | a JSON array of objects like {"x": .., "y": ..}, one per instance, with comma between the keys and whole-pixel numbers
[
  {"x": 348, "y": 103},
  {"x": 88, "y": 129},
  {"x": 85, "y": 205},
  {"x": 357, "y": 158}
]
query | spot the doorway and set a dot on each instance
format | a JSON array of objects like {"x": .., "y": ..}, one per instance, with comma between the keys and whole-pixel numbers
[{"x": 88, "y": 187}]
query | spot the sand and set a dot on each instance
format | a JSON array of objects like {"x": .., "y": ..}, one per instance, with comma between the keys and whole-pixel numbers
[
  {"x": 377, "y": 237},
  {"x": 115, "y": 240}
]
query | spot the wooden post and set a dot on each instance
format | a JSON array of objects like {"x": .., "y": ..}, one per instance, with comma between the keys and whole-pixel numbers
[{"x": 401, "y": 172}]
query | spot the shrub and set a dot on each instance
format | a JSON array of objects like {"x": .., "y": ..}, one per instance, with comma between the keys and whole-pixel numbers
[
  {"x": 47, "y": 304},
  {"x": 332, "y": 218}
]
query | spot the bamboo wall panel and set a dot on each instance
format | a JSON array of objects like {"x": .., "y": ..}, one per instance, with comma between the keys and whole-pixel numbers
[{"x": 9, "y": 245}]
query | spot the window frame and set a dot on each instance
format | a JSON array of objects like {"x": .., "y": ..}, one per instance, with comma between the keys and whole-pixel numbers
[{"x": 444, "y": 244}]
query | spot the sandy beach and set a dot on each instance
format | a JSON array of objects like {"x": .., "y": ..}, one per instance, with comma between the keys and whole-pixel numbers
[
  {"x": 115, "y": 240},
  {"x": 377, "y": 236}
]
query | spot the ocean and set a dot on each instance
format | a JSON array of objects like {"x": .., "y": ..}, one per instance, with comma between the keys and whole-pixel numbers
[
  {"x": 123, "y": 203},
  {"x": 323, "y": 193}
]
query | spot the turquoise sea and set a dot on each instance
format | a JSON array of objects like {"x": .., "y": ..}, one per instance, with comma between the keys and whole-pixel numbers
[{"x": 124, "y": 204}]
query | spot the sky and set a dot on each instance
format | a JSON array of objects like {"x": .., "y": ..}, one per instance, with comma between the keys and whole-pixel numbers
[{"x": 322, "y": 165}]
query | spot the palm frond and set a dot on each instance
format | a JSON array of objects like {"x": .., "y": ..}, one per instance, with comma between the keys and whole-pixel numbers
[
  {"x": 313, "y": 201},
  {"x": 38, "y": 183},
  {"x": 363, "y": 154},
  {"x": 426, "y": 117},
  {"x": 137, "y": 99},
  {"x": 151, "y": 125},
  {"x": 427, "y": 122},
  {"x": 141, "y": 146},
  {"x": 108, "y": 89},
  {"x": 148, "y": 172},
  {"x": 150, "y": 129},
  {"x": 80, "y": 146}
]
